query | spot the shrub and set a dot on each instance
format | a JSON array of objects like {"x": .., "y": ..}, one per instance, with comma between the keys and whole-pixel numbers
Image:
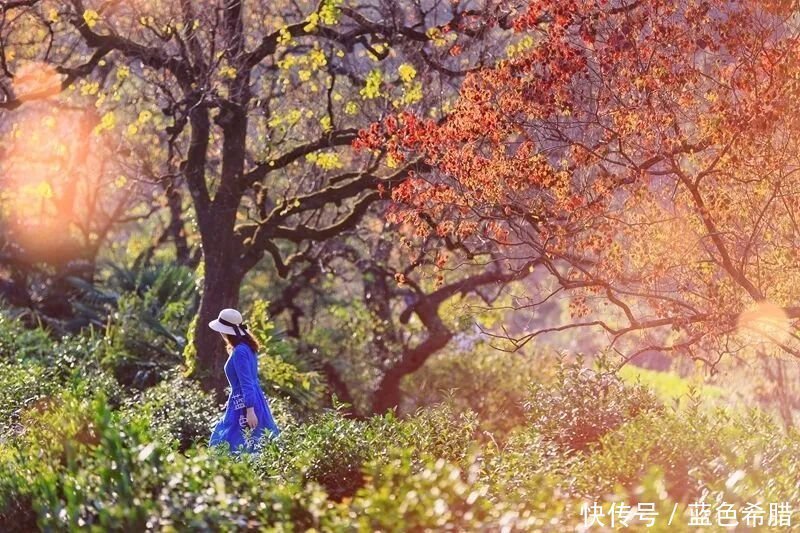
[
  {"x": 70, "y": 364},
  {"x": 144, "y": 311},
  {"x": 663, "y": 440},
  {"x": 176, "y": 410},
  {"x": 18, "y": 343},
  {"x": 330, "y": 450},
  {"x": 488, "y": 382},
  {"x": 582, "y": 405},
  {"x": 442, "y": 430},
  {"x": 421, "y": 494},
  {"x": 80, "y": 466},
  {"x": 286, "y": 375}
]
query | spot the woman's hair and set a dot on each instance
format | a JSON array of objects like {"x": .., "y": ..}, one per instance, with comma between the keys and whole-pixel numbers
[{"x": 232, "y": 341}]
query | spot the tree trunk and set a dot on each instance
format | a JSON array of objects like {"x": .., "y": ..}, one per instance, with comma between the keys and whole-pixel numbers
[
  {"x": 221, "y": 284},
  {"x": 388, "y": 394}
]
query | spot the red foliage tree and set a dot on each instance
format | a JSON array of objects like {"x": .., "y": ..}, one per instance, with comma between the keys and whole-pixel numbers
[{"x": 644, "y": 154}]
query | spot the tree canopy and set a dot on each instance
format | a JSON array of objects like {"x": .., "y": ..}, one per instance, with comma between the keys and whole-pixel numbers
[{"x": 643, "y": 155}]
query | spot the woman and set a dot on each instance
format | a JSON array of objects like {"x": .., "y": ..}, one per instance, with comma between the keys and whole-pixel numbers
[{"x": 247, "y": 410}]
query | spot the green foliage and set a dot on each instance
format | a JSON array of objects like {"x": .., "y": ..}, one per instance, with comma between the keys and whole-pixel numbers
[
  {"x": 144, "y": 311},
  {"x": 330, "y": 450},
  {"x": 582, "y": 405},
  {"x": 346, "y": 336},
  {"x": 176, "y": 410},
  {"x": 285, "y": 374},
  {"x": 436, "y": 495},
  {"x": 81, "y": 466},
  {"x": 444, "y": 430},
  {"x": 80, "y": 453},
  {"x": 18, "y": 342},
  {"x": 68, "y": 364},
  {"x": 667, "y": 386},
  {"x": 492, "y": 384}
]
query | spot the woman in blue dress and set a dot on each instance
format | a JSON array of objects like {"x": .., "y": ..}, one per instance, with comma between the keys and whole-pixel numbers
[{"x": 247, "y": 413}]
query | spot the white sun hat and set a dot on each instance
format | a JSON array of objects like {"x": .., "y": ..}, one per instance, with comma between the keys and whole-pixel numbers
[{"x": 230, "y": 322}]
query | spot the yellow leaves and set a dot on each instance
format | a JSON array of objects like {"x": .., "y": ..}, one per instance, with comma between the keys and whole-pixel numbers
[
  {"x": 326, "y": 124},
  {"x": 329, "y": 12},
  {"x": 88, "y": 89},
  {"x": 378, "y": 49},
  {"x": 228, "y": 72},
  {"x": 288, "y": 62},
  {"x": 407, "y": 72},
  {"x": 351, "y": 108},
  {"x": 317, "y": 58},
  {"x": 144, "y": 116},
  {"x": 52, "y": 15},
  {"x": 412, "y": 93},
  {"x": 313, "y": 23},
  {"x": 436, "y": 36},
  {"x": 524, "y": 44},
  {"x": 120, "y": 182},
  {"x": 284, "y": 36},
  {"x": 311, "y": 62},
  {"x": 294, "y": 116},
  {"x": 43, "y": 190},
  {"x": 91, "y": 17},
  {"x": 123, "y": 72},
  {"x": 291, "y": 118},
  {"x": 325, "y": 160},
  {"x": 107, "y": 122},
  {"x": 372, "y": 89}
]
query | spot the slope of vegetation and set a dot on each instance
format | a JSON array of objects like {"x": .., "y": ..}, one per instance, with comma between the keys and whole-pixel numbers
[{"x": 78, "y": 450}]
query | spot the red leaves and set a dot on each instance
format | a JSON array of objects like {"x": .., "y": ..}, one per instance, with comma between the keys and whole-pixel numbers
[{"x": 576, "y": 147}]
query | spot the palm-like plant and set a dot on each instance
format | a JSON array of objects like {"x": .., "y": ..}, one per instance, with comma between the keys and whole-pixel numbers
[{"x": 144, "y": 309}]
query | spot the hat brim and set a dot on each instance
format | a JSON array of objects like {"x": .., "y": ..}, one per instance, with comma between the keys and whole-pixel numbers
[{"x": 221, "y": 328}]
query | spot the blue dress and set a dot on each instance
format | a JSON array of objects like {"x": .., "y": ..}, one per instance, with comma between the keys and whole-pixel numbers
[{"x": 241, "y": 369}]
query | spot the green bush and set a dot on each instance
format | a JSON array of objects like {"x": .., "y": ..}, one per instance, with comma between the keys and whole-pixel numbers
[
  {"x": 67, "y": 364},
  {"x": 80, "y": 466},
  {"x": 18, "y": 343},
  {"x": 286, "y": 375},
  {"x": 176, "y": 410},
  {"x": 329, "y": 450},
  {"x": 83, "y": 454},
  {"x": 582, "y": 405},
  {"x": 421, "y": 494},
  {"x": 443, "y": 430},
  {"x": 492, "y": 384},
  {"x": 144, "y": 312}
]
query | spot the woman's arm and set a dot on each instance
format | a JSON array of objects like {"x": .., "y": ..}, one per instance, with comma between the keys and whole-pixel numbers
[{"x": 244, "y": 371}]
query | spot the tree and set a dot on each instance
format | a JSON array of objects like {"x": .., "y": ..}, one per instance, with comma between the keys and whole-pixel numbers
[
  {"x": 251, "y": 108},
  {"x": 62, "y": 198},
  {"x": 643, "y": 155}
]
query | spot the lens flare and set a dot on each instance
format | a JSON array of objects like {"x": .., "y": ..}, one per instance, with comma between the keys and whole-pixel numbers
[
  {"x": 40, "y": 178},
  {"x": 35, "y": 80},
  {"x": 765, "y": 323}
]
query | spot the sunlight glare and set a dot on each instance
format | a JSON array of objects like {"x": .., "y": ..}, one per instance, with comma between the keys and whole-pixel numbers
[
  {"x": 765, "y": 322},
  {"x": 35, "y": 78}
]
